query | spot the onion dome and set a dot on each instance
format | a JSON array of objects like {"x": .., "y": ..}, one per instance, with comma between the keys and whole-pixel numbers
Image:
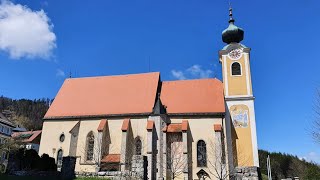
[{"x": 232, "y": 34}]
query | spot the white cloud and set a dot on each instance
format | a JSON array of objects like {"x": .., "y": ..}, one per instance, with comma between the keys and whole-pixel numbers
[
  {"x": 25, "y": 33},
  {"x": 193, "y": 72},
  {"x": 60, "y": 73},
  {"x": 311, "y": 157},
  {"x": 178, "y": 74},
  {"x": 197, "y": 71}
]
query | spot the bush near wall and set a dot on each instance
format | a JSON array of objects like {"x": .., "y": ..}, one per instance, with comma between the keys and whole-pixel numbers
[{"x": 29, "y": 160}]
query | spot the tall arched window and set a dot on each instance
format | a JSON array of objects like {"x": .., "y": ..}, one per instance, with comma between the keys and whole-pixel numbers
[
  {"x": 90, "y": 146},
  {"x": 236, "y": 68},
  {"x": 138, "y": 145},
  {"x": 59, "y": 159},
  {"x": 201, "y": 154}
]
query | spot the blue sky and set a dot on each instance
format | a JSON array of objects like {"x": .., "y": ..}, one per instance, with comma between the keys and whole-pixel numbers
[{"x": 41, "y": 42}]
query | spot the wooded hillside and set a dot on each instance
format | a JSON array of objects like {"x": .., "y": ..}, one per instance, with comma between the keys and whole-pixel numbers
[
  {"x": 286, "y": 166},
  {"x": 25, "y": 112}
]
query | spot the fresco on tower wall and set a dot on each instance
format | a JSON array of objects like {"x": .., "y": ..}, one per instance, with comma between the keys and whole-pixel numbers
[{"x": 240, "y": 116}]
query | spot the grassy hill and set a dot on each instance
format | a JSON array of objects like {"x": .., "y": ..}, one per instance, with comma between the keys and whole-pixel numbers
[{"x": 285, "y": 166}]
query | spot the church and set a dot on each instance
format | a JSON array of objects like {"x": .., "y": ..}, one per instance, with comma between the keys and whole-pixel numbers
[{"x": 184, "y": 129}]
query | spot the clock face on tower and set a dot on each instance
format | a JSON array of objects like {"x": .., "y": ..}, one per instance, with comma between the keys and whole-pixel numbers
[{"x": 235, "y": 54}]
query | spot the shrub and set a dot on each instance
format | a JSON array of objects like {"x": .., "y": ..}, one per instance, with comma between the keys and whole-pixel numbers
[
  {"x": 2, "y": 168},
  {"x": 47, "y": 163}
]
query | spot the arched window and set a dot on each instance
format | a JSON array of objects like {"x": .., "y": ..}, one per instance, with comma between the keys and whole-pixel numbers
[
  {"x": 236, "y": 68},
  {"x": 138, "y": 145},
  {"x": 59, "y": 159},
  {"x": 201, "y": 154},
  {"x": 90, "y": 146}
]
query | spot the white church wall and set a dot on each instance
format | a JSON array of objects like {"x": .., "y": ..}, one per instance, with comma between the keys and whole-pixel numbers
[
  {"x": 115, "y": 135},
  {"x": 201, "y": 129},
  {"x": 86, "y": 126},
  {"x": 50, "y": 138},
  {"x": 139, "y": 129}
]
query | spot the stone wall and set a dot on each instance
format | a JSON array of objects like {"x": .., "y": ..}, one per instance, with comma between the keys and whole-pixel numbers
[
  {"x": 247, "y": 173},
  {"x": 139, "y": 166},
  {"x": 115, "y": 175},
  {"x": 138, "y": 171}
]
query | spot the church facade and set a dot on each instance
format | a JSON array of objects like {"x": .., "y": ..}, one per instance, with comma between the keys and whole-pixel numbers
[{"x": 185, "y": 129}]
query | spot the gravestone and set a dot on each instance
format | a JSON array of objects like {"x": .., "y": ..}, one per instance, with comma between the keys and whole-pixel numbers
[
  {"x": 68, "y": 167},
  {"x": 247, "y": 173}
]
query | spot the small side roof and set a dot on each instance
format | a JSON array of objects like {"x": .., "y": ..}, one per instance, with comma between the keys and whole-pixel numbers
[
  {"x": 111, "y": 158},
  {"x": 27, "y": 136},
  {"x": 5, "y": 120}
]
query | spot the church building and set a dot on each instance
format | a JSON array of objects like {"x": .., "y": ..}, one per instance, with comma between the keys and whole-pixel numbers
[{"x": 184, "y": 129}]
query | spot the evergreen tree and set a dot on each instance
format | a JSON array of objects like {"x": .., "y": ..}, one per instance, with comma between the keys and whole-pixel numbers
[{"x": 25, "y": 112}]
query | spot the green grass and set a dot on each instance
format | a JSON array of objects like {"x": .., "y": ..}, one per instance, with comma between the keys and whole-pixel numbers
[{"x": 264, "y": 177}]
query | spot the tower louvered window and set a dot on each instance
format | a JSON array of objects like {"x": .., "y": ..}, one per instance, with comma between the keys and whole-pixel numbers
[{"x": 236, "y": 68}]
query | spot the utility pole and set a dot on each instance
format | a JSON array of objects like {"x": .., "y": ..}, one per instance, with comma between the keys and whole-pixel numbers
[{"x": 269, "y": 168}]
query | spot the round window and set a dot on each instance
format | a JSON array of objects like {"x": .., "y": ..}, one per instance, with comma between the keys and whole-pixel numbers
[{"x": 62, "y": 136}]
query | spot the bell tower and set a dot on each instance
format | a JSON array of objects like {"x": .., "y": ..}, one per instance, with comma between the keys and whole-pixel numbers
[{"x": 240, "y": 115}]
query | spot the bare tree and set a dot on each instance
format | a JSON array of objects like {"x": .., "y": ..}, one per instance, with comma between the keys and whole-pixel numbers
[
  {"x": 8, "y": 145},
  {"x": 217, "y": 165},
  {"x": 91, "y": 151},
  {"x": 176, "y": 161},
  {"x": 315, "y": 129}
]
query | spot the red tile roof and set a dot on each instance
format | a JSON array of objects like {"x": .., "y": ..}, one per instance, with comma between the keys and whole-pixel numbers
[
  {"x": 135, "y": 94},
  {"x": 184, "y": 125},
  {"x": 102, "y": 125},
  {"x": 217, "y": 127},
  {"x": 193, "y": 96},
  {"x": 125, "y": 125},
  {"x": 111, "y": 158},
  {"x": 106, "y": 95},
  {"x": 176, "y": 127},
  {"x": 150, "y": 125},
  {"x": 30, "y": 136}
]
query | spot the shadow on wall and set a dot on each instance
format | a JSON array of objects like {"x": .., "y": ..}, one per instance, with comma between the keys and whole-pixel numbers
[{"x": 234, "y": 145}]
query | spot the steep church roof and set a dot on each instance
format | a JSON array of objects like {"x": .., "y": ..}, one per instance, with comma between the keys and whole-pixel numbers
[
  {"x": 105, "y": 95},
  {"x": 135, "y": 94},
  {"x": 193, "y": 96}
]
